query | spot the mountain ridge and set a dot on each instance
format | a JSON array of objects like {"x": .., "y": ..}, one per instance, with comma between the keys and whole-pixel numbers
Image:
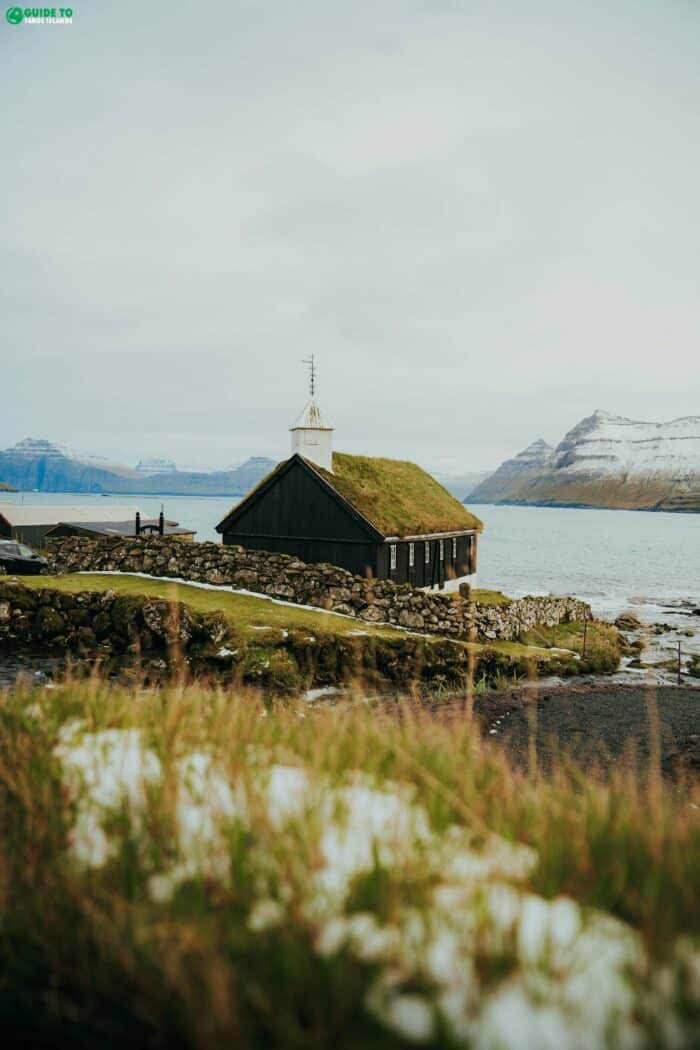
[
  {"x": 606, "y": 460},
  {"x": 38, "y": 464}
]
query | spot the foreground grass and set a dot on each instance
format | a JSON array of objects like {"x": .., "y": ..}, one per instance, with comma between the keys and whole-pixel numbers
[{"x": 185, "y": 867}]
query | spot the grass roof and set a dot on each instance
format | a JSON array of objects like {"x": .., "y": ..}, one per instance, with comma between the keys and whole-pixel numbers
[{"x": 397, "y": 497}]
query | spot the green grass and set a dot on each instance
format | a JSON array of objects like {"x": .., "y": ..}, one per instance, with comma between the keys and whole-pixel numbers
[
  {"x": 483, "y": 597},
  {"x": 245, "y": 612},
  {"x": 249, "y": 615},
  {"x": 602, "y": 643},
  {"x": 198, "y": 908},
  {"x": 290, "y": 649}
]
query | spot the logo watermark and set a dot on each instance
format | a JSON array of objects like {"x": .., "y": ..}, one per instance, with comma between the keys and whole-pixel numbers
[{"x": 44, "y": 16}]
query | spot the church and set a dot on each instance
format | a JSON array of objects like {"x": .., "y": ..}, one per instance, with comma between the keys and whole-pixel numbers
[{"x": 384, "y": 518}]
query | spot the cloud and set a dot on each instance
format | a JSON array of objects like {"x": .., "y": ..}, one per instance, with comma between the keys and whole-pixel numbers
[{"x": 480, "y": 218}]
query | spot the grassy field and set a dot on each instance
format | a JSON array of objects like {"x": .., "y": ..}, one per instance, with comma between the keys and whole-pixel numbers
[
  {"x": 247, "y": 613},
  {"x": 600, "y": 642},
  {"x": 259, "y": 624},
  {"x": 484, "y": 597},
  {"x": 189, "y": 867}
]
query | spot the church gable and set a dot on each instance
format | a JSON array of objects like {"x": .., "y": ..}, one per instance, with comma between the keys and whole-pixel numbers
[{"x": 295, "y": 500}]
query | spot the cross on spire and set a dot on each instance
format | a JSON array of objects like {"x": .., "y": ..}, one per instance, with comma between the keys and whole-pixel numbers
[{"x": 311, "y": 362}]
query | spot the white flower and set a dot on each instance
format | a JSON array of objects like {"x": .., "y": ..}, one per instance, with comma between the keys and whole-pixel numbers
[
  {"x": 411, "y": 1016},
  {"x": 265, "y": 915}
]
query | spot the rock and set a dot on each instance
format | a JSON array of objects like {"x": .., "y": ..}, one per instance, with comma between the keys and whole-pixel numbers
[
  {"x": 101, "y": 623},
  {"x": 48, "y": 622},
  {"x": 86, "y": 640},
  {"x": 628, "y": 622},
  {"x": 411, "y": 619},
  {"x": 168, "y": 621}
]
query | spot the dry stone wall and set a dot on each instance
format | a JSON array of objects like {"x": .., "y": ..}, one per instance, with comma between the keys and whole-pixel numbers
[
  {"x": 89, "y": 622},
  {"x": 323, "y": 586}
]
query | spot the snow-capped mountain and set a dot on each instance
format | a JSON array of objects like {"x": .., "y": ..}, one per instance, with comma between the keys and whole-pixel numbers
[
  {"x": 39, "y": 448},
  {"x": 512, "y": 474},
  {"x": 606, "y": 461}
]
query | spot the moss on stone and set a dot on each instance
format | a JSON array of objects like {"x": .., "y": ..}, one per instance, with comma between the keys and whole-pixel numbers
[{"x": 48, "y": 623}]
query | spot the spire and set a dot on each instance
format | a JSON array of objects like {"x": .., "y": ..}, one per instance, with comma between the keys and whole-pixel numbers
[
  {"x": 311, "y": 362},
  {"x": 312, "y": 434}
]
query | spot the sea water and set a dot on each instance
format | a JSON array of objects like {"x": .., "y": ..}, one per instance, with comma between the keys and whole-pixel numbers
[{"x": 613, "y": 559}]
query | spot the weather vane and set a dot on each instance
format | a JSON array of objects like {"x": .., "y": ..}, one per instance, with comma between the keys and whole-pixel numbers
[{"x": 311, "y": 362}]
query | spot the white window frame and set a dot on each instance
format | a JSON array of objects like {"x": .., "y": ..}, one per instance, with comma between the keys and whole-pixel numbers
[
  {"x": 392, "y": 557},
  {"x": 442, "y": 550},
  {"x": 454, "y": 548},
  {"x": 427, "y": 552},
  {"x": 411, "y": 555}
]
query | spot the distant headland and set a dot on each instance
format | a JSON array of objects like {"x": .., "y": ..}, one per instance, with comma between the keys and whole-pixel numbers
[{"x": 43, "y": 466}]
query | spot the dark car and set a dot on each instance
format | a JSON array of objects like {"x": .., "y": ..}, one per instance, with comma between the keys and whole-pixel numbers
[{"x": 18, "y": 560}]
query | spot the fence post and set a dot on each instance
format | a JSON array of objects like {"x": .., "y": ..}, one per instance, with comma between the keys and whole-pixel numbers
[
  {"x": 585, "y": 634},
  {"x": 679, "y": 663}
]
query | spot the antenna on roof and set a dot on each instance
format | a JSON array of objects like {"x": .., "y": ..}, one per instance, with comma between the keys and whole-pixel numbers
[{"x": 311, "y": 362}]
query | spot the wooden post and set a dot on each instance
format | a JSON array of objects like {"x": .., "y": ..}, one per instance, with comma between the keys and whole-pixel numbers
[
  {"x": 679, "y": 663},
  {"x": 585, "y": 632}
]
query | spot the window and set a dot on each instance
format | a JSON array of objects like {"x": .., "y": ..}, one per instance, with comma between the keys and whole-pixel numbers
[
  {"x": 392, "y": 557},
  {"x": 454, "y": 548},
  {"x": 411, "y": 555},
  {"x": 427, "y": 553},
  {"x": 442, "y": 550}
]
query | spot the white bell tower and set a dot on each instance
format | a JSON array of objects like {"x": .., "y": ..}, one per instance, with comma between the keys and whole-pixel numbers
[{"x": 312, "y": 434}]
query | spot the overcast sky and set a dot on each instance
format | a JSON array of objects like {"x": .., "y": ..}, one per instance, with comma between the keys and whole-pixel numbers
[{"x": 481, "y": 216}]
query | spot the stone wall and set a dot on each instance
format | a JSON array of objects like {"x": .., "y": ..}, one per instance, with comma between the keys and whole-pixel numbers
[
  {"x": 322, "y": 586},
  {"x": 90, "y": 622},
  {"x": 135, "y": 635}
]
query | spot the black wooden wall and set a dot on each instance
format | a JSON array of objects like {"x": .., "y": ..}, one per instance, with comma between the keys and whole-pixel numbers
[
  {"x": 433, "y": 572},
  {"x": 297, "y": 515}
]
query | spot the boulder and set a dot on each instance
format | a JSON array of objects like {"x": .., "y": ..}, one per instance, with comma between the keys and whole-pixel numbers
[{"x": 411, "y": 619}]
